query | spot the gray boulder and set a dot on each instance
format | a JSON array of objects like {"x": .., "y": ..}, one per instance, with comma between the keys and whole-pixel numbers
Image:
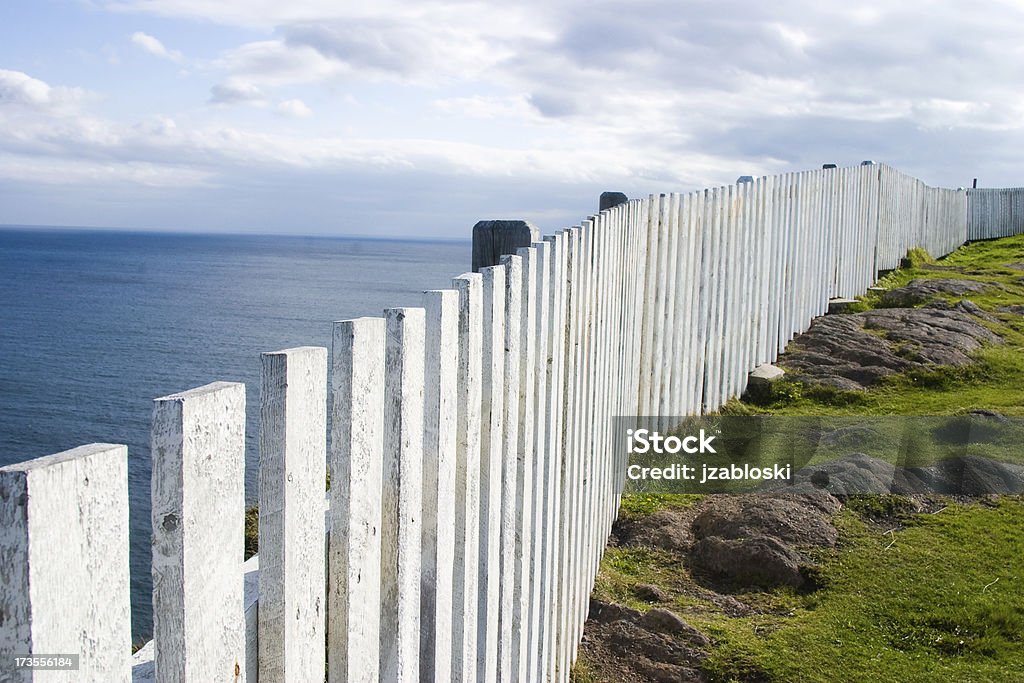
[{"x": 759, "y": 560}]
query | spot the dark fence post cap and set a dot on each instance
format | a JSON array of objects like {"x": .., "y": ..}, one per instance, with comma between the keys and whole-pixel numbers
[
  {"x": 493, "y": 239},
  {"x": 611, "y": 199}
]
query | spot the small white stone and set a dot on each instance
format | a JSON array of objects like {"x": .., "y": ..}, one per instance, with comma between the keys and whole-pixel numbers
[{"x": 766, "y": 374}]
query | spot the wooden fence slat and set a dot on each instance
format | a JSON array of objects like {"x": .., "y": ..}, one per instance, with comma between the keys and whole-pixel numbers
[
  {"x": 292, "y": 472},
  {"x": 64, "y": 545},
  {"x": 198, "y": 513},
  {"x": 439, "y": 483},
  {"x": 401, "y": 501},
  {"x": 356, "y": 455}
]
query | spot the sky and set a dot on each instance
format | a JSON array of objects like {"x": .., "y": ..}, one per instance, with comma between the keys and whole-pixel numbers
[{"x": 417, "y": 119}]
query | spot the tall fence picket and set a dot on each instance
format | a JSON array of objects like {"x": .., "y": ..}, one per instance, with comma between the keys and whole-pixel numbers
[
  {"x": 355, "y": 459},
  {"x": 64, "y": 543},
  {"x": 293, "y": 457},
  {"x": 198, "y": 512}
]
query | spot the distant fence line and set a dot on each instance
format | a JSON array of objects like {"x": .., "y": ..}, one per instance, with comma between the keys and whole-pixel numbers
[
  {"x": 995, "y": 213},
  {"x": 474, "y": 477}
]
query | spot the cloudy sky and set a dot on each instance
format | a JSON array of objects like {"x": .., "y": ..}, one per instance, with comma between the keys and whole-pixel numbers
[{"x": 419, "y": 118}]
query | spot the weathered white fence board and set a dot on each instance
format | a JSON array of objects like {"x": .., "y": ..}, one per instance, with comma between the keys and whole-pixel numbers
[
  {"x": 293, "y": 457},
  {"x": 64, "y": 544},
  {"x": 439, "y": 483},
  {"x": 465, "y": 595},
  {"x": 198, "y": 448},
  {"x": 357, "y": 429},
  {"x": 401, "y": 502}
]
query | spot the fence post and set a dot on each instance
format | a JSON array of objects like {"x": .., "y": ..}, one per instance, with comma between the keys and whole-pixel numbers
[
  {"x": 513, "y": 267},
  {"x": 439, "y": 427},
  {"x": 467, "y": 479},
  {"x": 609, "y": 200},
  {"x": 522, "y": 603},
  {"x": 293, "y": 454},
  {"x": 494, "y": 239},
  {"x": 491, "y": 418},
  {"x": 357, "y": 427},
  {"x": 198, "y": 446},
  {"x": 401, "y": 502},
  {"x": 538, "y": 605},
  {"x": 64, "y": 550}
]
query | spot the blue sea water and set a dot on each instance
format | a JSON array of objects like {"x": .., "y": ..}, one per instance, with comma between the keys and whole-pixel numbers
[{"x": 95, "y": 325}]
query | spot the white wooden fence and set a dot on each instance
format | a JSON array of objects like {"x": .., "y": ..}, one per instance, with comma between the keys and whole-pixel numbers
[
  {"x": 473, "y": 474},
  {"x": 995, "y": 212}
]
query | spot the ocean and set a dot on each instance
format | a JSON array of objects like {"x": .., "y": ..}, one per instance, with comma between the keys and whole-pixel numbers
[{"x": 95, "y": 325}]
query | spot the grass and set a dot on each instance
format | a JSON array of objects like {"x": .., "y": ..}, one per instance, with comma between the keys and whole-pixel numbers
[
  {"x": 939, "y": 599},
  {"x": 645, "y": 504}
]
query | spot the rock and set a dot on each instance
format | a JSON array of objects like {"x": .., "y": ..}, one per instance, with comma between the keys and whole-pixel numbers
[
  {"x": 839, "y": 305},
  {"x": 765, "y": 373},
  {"x": 851, "y": 474},
  {"x": 944, "y": 337},
  {"x": 968, "y": 475},
  {"x": 667, "y": 621},
  {"x": 666, "y": 529},
  {"x": 650, "y": 592},
  {"x": 857, "y": 474},
  {"x": 760, "y": 560},
  {"x": 968, "y": 306},
  {"x": 786, "y": 518},
  {"x": 663, "y": 672},
  {"x": 985, "y": 412},
  {"x": 850, "y": 437},
  {"x": 853, "y": 352},
  {"x": 1015, "y": 309},
  {"x": 922, "y": 290},
  {"x": 607, "y": 612},
  {"x": 630, "y": 639}
]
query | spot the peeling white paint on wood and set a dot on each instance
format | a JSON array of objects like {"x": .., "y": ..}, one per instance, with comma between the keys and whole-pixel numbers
[
  {"x": 64, "y": 544},
  {"x": 198, "y": 448},
  {"x": 439, "y": 477},
  {"x": 356, "y": 455},
  {"x": 401, "y": 502},
  {"x": 293, "y": 457}
]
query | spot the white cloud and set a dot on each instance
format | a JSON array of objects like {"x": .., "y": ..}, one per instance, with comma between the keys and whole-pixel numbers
[
  {"x": 20, "y": 88},
  {"x": 154, "y": 47},
  {"x": 654, "y": 95},
  {"x": 488, "y": 107},
  {"x": 295, "y": 108},
  {"x": 273, "y": 63},
  {"x": 64, "y": 172},
  {"x": 235, "y": 92}
]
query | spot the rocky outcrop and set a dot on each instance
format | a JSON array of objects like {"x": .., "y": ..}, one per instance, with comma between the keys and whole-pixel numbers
[
  {"x": 758, "y": 560},
  {"x": 854, "y": 351},
  {"x": 857, "y": 474},
  {"x": 920, "y": 291}
]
